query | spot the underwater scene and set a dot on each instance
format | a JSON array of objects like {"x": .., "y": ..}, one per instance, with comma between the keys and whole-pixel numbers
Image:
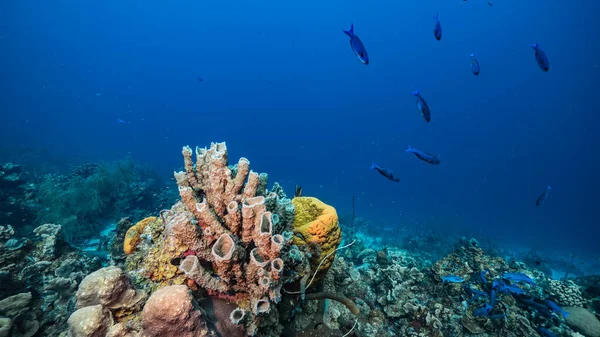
[{"x": 316, "y": 168}]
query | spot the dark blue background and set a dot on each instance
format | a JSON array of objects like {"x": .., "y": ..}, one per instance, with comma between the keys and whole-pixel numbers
[{"x": 283, "y": 88}]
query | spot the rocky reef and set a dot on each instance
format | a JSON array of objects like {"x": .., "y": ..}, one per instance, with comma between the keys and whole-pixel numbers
[
  {"x": 224, "y": 254},
  {"x": 234, "y": 258},
  {"x": 39, "y": 276}
]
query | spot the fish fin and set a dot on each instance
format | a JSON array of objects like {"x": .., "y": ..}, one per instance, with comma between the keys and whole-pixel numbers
[
  {"x": 373, "y": 166},
  {"x": 350, "y": 32}
]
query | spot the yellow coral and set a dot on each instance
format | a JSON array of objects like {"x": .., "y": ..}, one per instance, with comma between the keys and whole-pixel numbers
[
  {"x": 316, "y": 225},
  {"x": 132, "y": 237}
]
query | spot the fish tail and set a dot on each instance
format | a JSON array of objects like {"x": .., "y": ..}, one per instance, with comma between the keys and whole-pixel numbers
[
  {"x": 435, "y": 16},
  {"x": 472, "y": 54},
  {"x": 535, "y": 46},
  {"x": 549, "y": 187},
  {"x": 373, "y": 166},
  {"x": 410, "y": 149},
  {"x": 417, "y": 92},
  {"x": 350, "y": 32}
]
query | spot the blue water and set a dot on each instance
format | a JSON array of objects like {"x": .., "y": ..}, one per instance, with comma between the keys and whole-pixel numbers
[{"x": 282, "y": 87}]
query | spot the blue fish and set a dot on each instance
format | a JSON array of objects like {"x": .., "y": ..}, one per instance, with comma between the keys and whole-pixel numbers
[
  {"x": 482, "y": 274},
  {"x": 357, "y": 46},
  {"x": 540, "y": 200},
  {"x": 474, "y": 64},
  {"x": 437, "y": 31},
  {"x": 532, "y": 303},
  {"x": 518, "y": 277},
  {"x": 556, "y": 308},
  {"x": 385, "y": 172},
  {"x": 483, "y": 311},
  {"x": 422, "y": 106},
  {"x": 452, "y": 279},
  {"x": 424, "y": 156},
  {"x": 546, "y": 333},
  {"x": 493, "y": 297},
  {"x": 473, "y": 293},
  {"x": 540, "y": 57},
  {"x": 502, "y": 287},
  {"x": 121, "y": 121}
]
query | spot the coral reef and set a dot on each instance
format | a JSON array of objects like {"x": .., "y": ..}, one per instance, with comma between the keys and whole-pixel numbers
[
  {"x": 93, "y": 193},
  {"x": 51, "y": 270},
  {"x": 228, "y": 237},
  {"x": 17, "y": 198},
  {"x": 566, "y": 293}
]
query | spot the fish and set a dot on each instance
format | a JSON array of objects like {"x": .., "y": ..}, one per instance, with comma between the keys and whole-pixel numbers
[
  {"x": 298, "y": 191},
  {"x": 493, "y": 297},
  {"x": 502, "y": 287},
  {"x": 422, "y": 106},
  {"x": 556, "y": 308},
  {"x": 546, "y": 333},
  {"x": 474, "y": 64},
  {"x": 483, "y": 311},
  {"x": 540, "y": 200},
  {"x": 385, "y": 172},
  {"x": 424, "y": 156},
  {"x": 452, "y": 279},
  {"x": 437, "y": 30},
  {"x": 121, "y": 121},
  {"x": 357, "y": 46},
  {"x": 540, "y": 57},
  {"x": 518, "y": 277}
]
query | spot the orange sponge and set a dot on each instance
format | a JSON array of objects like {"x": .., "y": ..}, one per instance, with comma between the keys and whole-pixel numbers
[
  {"x": 132, "y": 237},
  {"x": 316, "y": 224}
]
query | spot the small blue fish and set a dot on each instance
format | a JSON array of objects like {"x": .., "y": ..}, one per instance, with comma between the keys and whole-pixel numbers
[
  {"x": 121, "y": 121},
  {"x": 452, "y": 279},
  {"x": 474, "y": 64},
  {"x": 493, "y": 297},
  {"x": 424, "y": 156},
  {"x": 357, "y": 46},
  {"x": 437, "y": 31},
  {"x": 385, "y": 172},
  {"x": 540, "y": 57},
  {"x": 556, "y": 308},
  {"x": 540, "y": 200},
  {"x": 546, "y": 332},
  {"x": 422, "y": 106},
  {"x": 518, "y": 277}
]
